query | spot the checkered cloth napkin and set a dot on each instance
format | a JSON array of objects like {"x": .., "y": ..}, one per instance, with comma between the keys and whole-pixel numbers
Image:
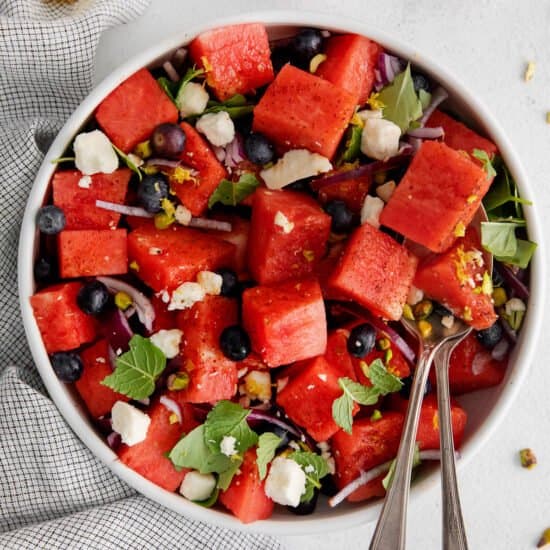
[{"x": 53, "y": 492}]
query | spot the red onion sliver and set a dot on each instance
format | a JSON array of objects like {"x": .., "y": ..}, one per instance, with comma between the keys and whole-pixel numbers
[
  {"x": 259, "y": 415},
  {"x": 171, "y": 71},
  {"x": 206, "y": 223},
  {"x": 219, "y": 152},
  {"x": 163, "y": 162},
  {"x": 179, "y": 57},
  {"x": 509, "y": 332},
  {"x": 427, "y": 133},
  {"x": 123, "y": 209},
  {"x": 439, "y": 95},
  {"x": 500, "y": 350},
  {"x": 511, "y": 279},
  {"x": 114, "y": 441},
  {"x": 118, "y": 332},
  {"x": 172, "y": 406}
]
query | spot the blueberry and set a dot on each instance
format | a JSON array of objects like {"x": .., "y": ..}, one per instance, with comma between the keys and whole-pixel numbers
[
  {"x": 361, "y": 340},
  {"x": 230, "y": 282},
  {"x": 307, "y": 43},
  {"x": 280, "y": 56},
  {"x": 491, "y": 336},
  {"x": 152, "y": 189},
  {"x": 67, "y": 366},
  {"x": 235, "y": 343},
  {"x": 45, "y": 269},
  {"x": 168, "y": 140},
  {"x": 405, "y": 390},
  {"x": 420, "y": 82},
  {"x": 306, "y": 508},
  {"x": 51, "y": 220},
  {"x": 342, "y": 216},
  {"x": 328, "y": 486},
  {"x": 93, "y": 298},
  {"x": 258, "y": 148}
]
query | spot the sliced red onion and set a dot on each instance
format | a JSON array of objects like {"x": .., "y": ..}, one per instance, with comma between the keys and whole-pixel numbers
[
  {"x": 172, "y": 406},
  {"x": 388, "y": 67},
  {"x": 112, "y": 357},
  {"x": 500, "y": 350},
  {"x": 267, "y": 417},
  {"x": 179, "y": 57},
  {"x": 439, "y": 95},
  {"x": 427, "y": 133},
  {"x": 512, "y": 280},
  {"x": 163, "y": 162},
  {"x": 479, "y": 363},
  {"x": 118, "y": 332},
  {"x": 123, "y": 209},
  {"x": 171, "y": 71},
  {"x": 206, "y": 223},
  {"x": 509, "y": 332},
  {"x": 406, "y": 148},
  {"x": 219, "y": 152},
  {"x": 114, "y": 441},
  {"x": 129, "y": 312},
  {"x": 415, "y": 143},
  {"x": 144, "y": 308},
  {"x": 234, "y": 151}
]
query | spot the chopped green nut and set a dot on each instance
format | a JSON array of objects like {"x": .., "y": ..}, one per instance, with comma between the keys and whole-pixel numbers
[
  {"x": 425, "y": 328},
  {"x": 383, "y": 344},
  {"x": 423, "y": 309},
  {"x": 544, "y": 539},
  {"x": 178, "y": 381},
  {"x": 380, "y": 178},
  {"x": 364, "y": 367},
  {"x": 123, "y": 301},
  {"x": 388, "y": 356},
  {"x": 163, "y": 220},
  {"x": 376, "y": 415},
  {"x": 143, "y": 149},
  {"x": 149, "y": 170},
  {"x": 408, "y": 312},
  {"x": 527, "y": 458},
  {"x": 499, "y": 296},
  {"x": 316, "y": 61}
]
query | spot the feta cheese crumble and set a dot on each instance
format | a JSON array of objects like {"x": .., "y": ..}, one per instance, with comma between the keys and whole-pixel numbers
[
  {"x": 192, "y": 100},
  {"x": 94, "y": 153},
  {"x": 217, "y": 127},
  {"x": 371, "y": 210},
  {"x": 283, "y": 222},
  {"x": 85, "y": 182},
  {"x": 227, "y": 445},
  {"x": 211, "y": 282},
  {"x": 183, "y": 215},
  {"x": 380, "y": 138},
  {"x": 197, "y": 486},
  {"x": 258, "y": 385},
  {"x": 186, "y": 295},
  {"x": 168, "y": 341},
  {"x": 131, "y": 423},
  {"x": 286, "y": 482}
]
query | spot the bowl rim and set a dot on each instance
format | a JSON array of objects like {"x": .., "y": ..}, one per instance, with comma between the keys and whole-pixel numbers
[{"x": 284, "y": 525}]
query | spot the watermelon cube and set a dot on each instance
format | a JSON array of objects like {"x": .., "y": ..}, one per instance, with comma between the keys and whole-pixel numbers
[
  {"x": 288, "y": 236},
  {"x": 307, "y": 398},
  {"x": 286, "y": 322},
  {"x": 194, "y": 193},
  {"x": 78, "y": 202},
  {"x": 246, "y": 497},
  {"x": 455, "y": 279},
  {"x": 236, "y": 58},
  {"x": 63, "y": 325},
  {"x": 130, "y": 113},
  {"x": 91, "y": 252},
  {"x": 184, "y": 252},
  {"x": 459, "y": 136},
  {"x": 164, "y": 319},
  {"x": 99, "y": 399},
  {"x": 350, "y": 63},
  {"x": 302, "y": 111},
  {"x": 337, "y": 354},
  {"x": 375, "y": 271},
  {"x": 238, "y": 236},
  {"x": 440, "y": 192},
  {"x": 352, "y": 192}
]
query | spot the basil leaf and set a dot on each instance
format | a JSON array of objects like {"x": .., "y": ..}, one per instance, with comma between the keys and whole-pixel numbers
[
  {"x": 387, "y": 481},
  {"x": 137, "y": 370},
  {"x": 232, "y": 193},
  {"x": 315, "y": 467},
  {"x": 126, "y": 159},
  {"x": 385, "y": 382},
  {"x": 267, "y": 445},
  {"x": 502, "y": 191},
  {"x": 499, "y": 238},
  {"x": 425, "y": 98},
  {"x": 522, "y": 256},
  {"x": 482, "y": 156},
  {"x": 401, "y": 104},
  {"x": 342, "y": 408}
]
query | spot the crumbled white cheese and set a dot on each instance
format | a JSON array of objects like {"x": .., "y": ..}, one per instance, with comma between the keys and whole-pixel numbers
[
  {"x": 85, "y": 182},
  {"x": 415, "y": 295},
  {"x": 197, "y": 486},
  {"x": 513, "y": 305},
  {"x": 211, "y": 282},
  {"x": 258, "y": 385},
  {"x": 217, "y": 127},
  {"x": 385, "y": 191},
  {"x": 448, "y": 321},
  {"x": 94, "y": 153},
  {"x": 324, "y": 447},
  {"x": 380, "y": 138},
  {"x": 370, "y": 211},
  {"x": 168, "y": 341},
  {"x": 131, "y": 423},
  {"x": 183, "y": 215},
  {"x": 227, "y": 445},
  {"x": 293, "y": 166},
  {"x": 286, "y": 482},
  {"x": 192, "y": 100},
  {"x": 367, "y": 114},
  {"x": 283, "y": 222},
  {"x": 186, "y": 295}
]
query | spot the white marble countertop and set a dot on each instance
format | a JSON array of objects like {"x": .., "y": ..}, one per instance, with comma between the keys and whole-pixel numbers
[{"x": 485, "y": 43}]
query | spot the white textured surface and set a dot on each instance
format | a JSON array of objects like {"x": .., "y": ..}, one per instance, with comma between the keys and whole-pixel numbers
[{"x": 487, "y": 44}]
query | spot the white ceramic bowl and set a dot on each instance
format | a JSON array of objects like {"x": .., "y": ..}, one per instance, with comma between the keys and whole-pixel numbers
[{"x": 485, "y": 409}]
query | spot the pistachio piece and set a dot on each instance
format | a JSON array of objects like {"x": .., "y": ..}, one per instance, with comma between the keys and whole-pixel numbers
[{"x": 527, "y": 458}]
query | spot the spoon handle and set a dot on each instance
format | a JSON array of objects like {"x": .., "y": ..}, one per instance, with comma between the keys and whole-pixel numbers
[
  {"x": 454, "y": 534},
  {"x": 392, "y": 524}
]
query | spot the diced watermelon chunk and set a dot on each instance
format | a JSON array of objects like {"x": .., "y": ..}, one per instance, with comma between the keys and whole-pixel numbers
[
  {"x": 240, "y": 230},
  {"x": 337, "y": 355},
  {"x": 78, "y": 203},
  {"x": 307, "y": 398},
  {"x": 288, "y": 235},
  {"x": 92, "y": 252},
  {"x": 246, "y": 497},
  {"x": 352, "y": 192},
  {"x": 285, "y": 322},
  {"x": 236, "y": 58},
  {"x": 63, "y": 325},
  {"x": 148, "y": 458},
  {"x": 441, "y": 191},
  {"x": 454, "y": 279},
  {"x": 185, "y": 252},
  {"x": 302, "y": 111},
  {"x": 164, "y": 319},
  {"x": 99, "y": 399},
  {"x": 130, "y": 113},
  {"x": 194, "y": 193},
  {"x": 350, "y": 63},
  {"x": 459, "y": 136},
  {"x": 376, "y": 271}
]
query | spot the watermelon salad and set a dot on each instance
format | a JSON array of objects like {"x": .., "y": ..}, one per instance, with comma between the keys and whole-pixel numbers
[{"x": 228, "y": 248}]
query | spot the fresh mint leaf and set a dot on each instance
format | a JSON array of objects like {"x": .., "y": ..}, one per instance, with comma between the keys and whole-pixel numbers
[
  {"x": 499, "y": 238},
  {"x": 352, "y": 144},
  {"x": 126, "y": 159},
  {"x": 210, "y": 501},
  {"x": 357, "y": 392},
  {"x": 232, "y": 193},
  {"x": 401, "y": 104},
  {"x": 315, "y": 467},
  {"x": 170, "y": 88},
  {"x": 483, "y": 157},
  {"x": 425, "y": 98},
  {"x": 522, "y": 256},
  {"x": 385, "y": 382},
  {"x": 387, "y": 481},
  {"x": 137, "y": 370},
  {"x": 342, "y": 408},
  {"x": 228, "y": 419},
  {"x": 226, "y": 477},
  {"x": 267, "y": 445},
  {"x": 236, "y": 106}
]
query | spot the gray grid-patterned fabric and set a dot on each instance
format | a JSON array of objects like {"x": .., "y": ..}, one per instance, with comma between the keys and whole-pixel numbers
[{"x": 53, "y": 492}]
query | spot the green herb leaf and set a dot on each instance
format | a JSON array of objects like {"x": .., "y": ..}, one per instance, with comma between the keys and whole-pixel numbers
[
  {"x": 342, "y": 408},
  {"x": 267, "y": 445},
  {"x": 499, "y": 238},
  {"x": 170, "y": 88},
  {"x": 425, "y": 98},
  {"x": 352, "y": 144},
  {"x": 137, "y": 370},
  {"x": 226, "y": 477},
  {"x": 236, "y": 106},
  {"x": 503, "y": 190},
  {"x": 228, "y": 419},
  {"x": 402, "y": 105},
  {"x": 359, "y": 393},
  {"x": 522, "y": 256},
  {"x": 315, "y": 467},
  {"x": 188, "y": 77},
  {"x": 210, "y": 501},
  {"x": 387, "y": 481},
  {"x": 482, "y": 156},
  {"x": 126, "y": 159},
  {"x": 383, "y": 380},
  {"x": 59, "y": 160},
  {"x": 232, "y": 193}
]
